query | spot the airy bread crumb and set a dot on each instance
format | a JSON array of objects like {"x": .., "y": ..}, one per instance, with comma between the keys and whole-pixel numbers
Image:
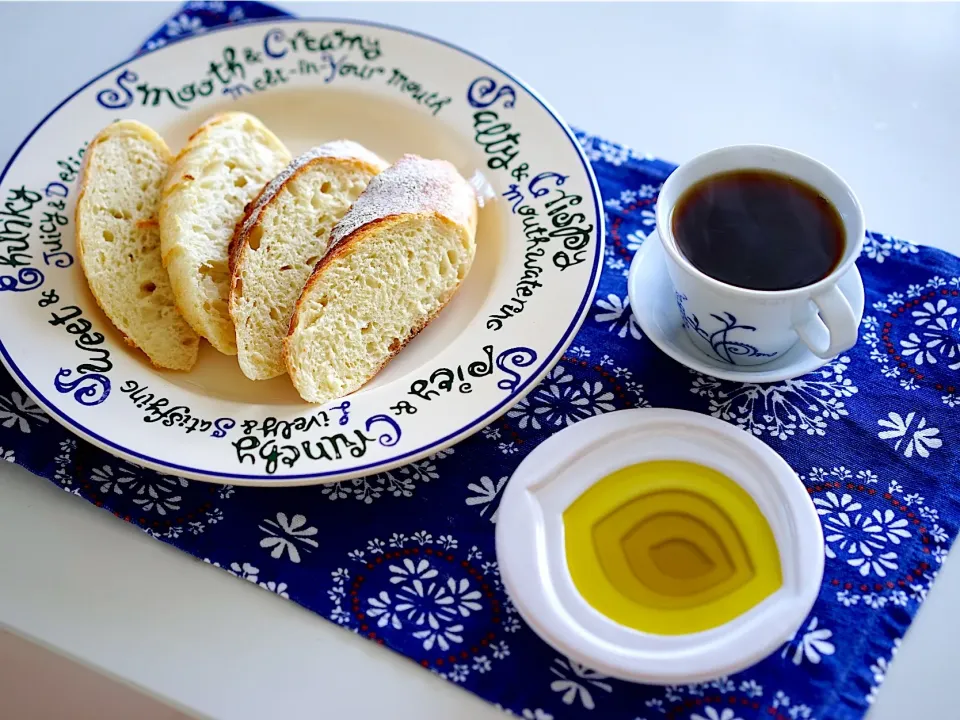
[
  {"x": 399, "y": 256},
  {"x": 118, "y": 242},
  {"x": 223, "y": 166},
  {"x": 283, "y": 235}
]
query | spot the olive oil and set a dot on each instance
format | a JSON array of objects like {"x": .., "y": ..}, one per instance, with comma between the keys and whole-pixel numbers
[{"x": 670, "y": 547}]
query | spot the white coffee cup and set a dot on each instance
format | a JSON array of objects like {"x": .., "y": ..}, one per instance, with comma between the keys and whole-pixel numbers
[{"x": 740, "y": 326}]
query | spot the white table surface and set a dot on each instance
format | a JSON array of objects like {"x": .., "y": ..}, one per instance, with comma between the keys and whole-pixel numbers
[{"x": 873, "y": 91}]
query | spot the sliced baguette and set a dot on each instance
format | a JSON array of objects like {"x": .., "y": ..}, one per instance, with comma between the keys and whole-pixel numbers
[
  {"x": 284, "y": 233},
  {"x": 118, "y": 242},
  {"x": 398, "y": 256},
  {"x": 223, "y": 166}
]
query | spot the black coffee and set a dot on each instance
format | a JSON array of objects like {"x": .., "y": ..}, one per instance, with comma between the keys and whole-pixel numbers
[{"x": 758, "y": 229}]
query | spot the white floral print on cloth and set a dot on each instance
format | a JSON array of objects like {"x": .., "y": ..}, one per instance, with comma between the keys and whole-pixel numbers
[
  {"x": 910, "y": 436},
  {"x": 598, "y": 149},
  {"x": 288, "y": 536},
  {"x": 250, "y": 573},
  {"x": 879, "y": 671},
  {"x": 577, "y": 683},
  {"x": 18, "y": 410},
  {"x": 487, "y": 495},
  {"x": 165, "y": 506},
  {"x": 401, "y": 482},
  {"x": 613, "y": 312},
  {"x": 804, "y": 405},
  {"x": 407, "y": 558},
  {"x": 726, "y": 699},
  {"x": 422, "y": 595},
  {"x": 810, "y": 644},
  {"x": 914, "y": 336},
  {"x": 878, "y": 247},
  {"x": 892, "y": 538},
  {"x": 568, "y": 394},
  {"x": 198, "y": 17}
]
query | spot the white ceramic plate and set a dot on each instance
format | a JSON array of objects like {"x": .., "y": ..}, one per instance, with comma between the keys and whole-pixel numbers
[{"x": 310, "y": 81}]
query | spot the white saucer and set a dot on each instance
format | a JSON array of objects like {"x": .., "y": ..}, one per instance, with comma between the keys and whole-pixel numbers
[{"x": 652, "y": 303}]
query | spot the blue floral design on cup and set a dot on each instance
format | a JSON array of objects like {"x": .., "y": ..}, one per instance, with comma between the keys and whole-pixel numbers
[{"x": 723, "y": 346}]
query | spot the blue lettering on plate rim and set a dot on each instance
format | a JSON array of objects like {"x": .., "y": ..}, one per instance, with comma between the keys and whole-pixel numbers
[
  {"x": 480, "y": 90},
  {"x": 89, "y": 389},
  {"x": 221, "y": 426},
  {"x": 386, "y": 439},
  {"x": 113, "y": 100},
  {"x": 27, "y": 279},
  {"x": 518, "y": 357}
]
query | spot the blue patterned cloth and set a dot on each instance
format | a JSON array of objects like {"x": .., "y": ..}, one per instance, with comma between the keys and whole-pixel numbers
[{"x": 407, "y": 558}]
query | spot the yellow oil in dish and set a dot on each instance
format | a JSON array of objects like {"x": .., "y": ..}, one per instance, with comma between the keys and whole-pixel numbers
[{"x": 670, "y": 547}]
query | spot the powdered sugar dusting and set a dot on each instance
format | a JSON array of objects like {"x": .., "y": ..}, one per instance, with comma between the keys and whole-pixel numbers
[
  {"x": 342, "y": 149},
  {"x": 413, "y": 185}
]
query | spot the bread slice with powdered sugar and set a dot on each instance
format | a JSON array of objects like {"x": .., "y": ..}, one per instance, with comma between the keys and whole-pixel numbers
[
  {"x": 284, "y": 233},
  {"x": 397, "y": 258}
]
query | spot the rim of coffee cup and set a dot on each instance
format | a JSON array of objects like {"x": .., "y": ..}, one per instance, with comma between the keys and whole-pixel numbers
[{"x": 776, "y": 159}]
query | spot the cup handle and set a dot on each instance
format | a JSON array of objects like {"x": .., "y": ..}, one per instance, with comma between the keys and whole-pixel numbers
[{"x": 833, "y": 329}]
